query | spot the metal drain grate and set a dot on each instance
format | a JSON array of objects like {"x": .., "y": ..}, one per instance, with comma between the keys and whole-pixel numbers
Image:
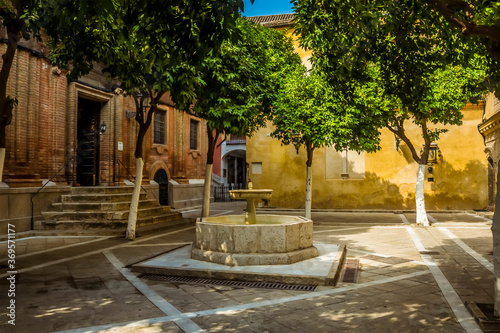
[
  {"x": 431, "y": 253},
  {"x": 350, "y": 270},
  {"x": 268, "y": 285}
]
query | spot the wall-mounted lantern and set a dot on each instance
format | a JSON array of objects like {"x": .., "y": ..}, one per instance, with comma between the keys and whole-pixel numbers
[
  {"x": 397, "y": 139},
  {"x": 129, "y": 114},
  {"x": 145, "y": 101},
  {"x": 434, "y": 153},
  {"x": 103, "y": 127}
]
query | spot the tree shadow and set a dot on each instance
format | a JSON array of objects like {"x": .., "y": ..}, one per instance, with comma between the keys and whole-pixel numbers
[{"x": 446, "y": 188}]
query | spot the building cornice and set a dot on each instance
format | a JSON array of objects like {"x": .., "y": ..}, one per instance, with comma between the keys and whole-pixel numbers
[{"x": 490, "y": 125}]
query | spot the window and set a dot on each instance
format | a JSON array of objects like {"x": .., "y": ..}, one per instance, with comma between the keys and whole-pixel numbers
[
  {"x": 344, "y": 164},
  {"x": 193, "y": 141},
  {"x": 159, "y": 127}
]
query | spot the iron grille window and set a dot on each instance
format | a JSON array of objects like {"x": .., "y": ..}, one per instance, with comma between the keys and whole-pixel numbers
[
  {"x": 193, "y": 142},
  {"x": 159, "y": 127}
]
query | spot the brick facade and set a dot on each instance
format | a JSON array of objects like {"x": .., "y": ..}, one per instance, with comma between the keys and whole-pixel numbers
[{"x": 43, "y": 136}]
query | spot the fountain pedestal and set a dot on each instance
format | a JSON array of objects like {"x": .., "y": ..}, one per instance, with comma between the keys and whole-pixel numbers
[{"x": 250, "y": 196}]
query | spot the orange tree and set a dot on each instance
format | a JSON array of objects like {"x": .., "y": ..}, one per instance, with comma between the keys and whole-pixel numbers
[
  {"x": 151, "y": 46},
  {"x": 401, "y": 47},
  {"x": 240, "y": 86}
]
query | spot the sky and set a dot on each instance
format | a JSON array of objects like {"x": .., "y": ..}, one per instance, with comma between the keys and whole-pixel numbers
[{"x": 267, "y": 7}]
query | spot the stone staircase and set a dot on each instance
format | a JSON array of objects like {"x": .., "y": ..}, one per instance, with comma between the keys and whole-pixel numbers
[{"x": 98, "y": 208}]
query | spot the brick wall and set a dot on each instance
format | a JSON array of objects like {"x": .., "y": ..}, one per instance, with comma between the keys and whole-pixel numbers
[{"x": 42, "y": 136}]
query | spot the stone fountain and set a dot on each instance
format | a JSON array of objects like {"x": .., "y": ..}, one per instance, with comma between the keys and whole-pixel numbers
[{"x": 251, "y": 239}]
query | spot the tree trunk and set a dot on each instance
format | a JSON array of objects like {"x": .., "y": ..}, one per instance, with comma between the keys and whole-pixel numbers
[
  {"x": 309, "y": 193},
  {"x": 495, "y": 230},
  {"x": 310, "y": 151},
  {"x": 205, "y": 211},
  {"x": 2, "y": 160},
  {"x": 213, "y": 135},
  {"x": 144, "y": 120},
  {"x": 419, "y": 197},
  {"x": 134, "y": 204}
]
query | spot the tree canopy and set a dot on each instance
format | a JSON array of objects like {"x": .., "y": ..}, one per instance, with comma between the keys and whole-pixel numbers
[
  {"x": 310, "y": 113},
  {"x": 241, "y": 81},
  {"x": 473, "y": 18},
  {"x": 239, "y": 85},
  {"x": 426, "y": 72},
  {"x": 399, "y": 49},
  {"x": 147, "y": 45},
  {"x": 151, "y": 46}
]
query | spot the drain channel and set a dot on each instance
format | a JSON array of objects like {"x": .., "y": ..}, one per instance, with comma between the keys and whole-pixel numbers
[
  {"x": 350, "y": 270},
  {"x": 230, "y": 283}
]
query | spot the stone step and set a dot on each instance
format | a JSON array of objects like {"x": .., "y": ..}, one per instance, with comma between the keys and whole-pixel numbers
[
  {"x": 100, "y": 206},
  {"x": 154, "y": 219},
  {"x": 103, "y": 216},
  {"x": 95, "y": 197},
  {"x": 102, "y": 189},
  {"x": 150, "y": 222}
]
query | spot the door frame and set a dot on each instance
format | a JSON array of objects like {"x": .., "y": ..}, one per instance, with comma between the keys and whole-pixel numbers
[{"x": 75, "y": 91}]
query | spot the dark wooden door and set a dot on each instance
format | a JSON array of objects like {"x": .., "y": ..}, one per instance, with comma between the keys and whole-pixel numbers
[
  {"x": 87, "y": 169},
  {"x": 162, "y": 179}
]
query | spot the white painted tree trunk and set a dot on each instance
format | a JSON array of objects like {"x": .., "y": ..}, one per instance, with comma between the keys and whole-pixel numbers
[
  {"x": 205, "y": 210},
  {"x": 309, "y": 193},
  {"x": 495, "y": 230},
  {"x": 134, "y": 205},
  {"x": 2, "y": 161},
  {"x": 419, "y": 197}
]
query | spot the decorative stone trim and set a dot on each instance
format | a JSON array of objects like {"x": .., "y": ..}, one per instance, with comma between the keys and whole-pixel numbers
[
  {"x": 160, "y": 149},
  {"x": 194, "y": 153},
  {"x": 490, "y": 125},
  {"x": 56, "y": 70}
]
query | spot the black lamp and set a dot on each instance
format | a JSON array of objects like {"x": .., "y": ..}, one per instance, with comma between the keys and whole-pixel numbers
[
  {"x": 397, "y": 139},
  {"x": 103, "y": 127}
]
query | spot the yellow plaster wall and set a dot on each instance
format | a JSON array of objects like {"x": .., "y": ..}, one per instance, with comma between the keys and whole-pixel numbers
[
  {"x": 303, "y": 54},
  {"x": 460, "y": 176}
]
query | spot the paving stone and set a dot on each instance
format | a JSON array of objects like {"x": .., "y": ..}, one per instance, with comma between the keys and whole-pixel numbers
[{"x": 89, "y": 290}]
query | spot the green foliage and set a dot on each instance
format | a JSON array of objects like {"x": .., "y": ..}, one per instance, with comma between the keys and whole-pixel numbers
[
  {"x": 310, "y": 113},
  {"x": 241, "y": 81},
  {"x": 149, "y": 45},
  {"x": 399, "y": 54}
]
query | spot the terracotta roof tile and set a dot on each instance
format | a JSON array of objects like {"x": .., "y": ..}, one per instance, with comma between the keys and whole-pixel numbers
[{"x": 273, "y": 20}]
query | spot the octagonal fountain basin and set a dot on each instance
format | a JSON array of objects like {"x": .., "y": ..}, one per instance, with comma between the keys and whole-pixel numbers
[{"x": 272, "y": 240}]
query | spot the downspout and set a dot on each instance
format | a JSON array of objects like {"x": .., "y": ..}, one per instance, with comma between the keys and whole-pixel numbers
[{"x": 114, "y": 135}]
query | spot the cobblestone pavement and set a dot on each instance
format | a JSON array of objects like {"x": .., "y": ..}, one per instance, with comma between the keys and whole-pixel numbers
[{"x": 410, "y": 279}]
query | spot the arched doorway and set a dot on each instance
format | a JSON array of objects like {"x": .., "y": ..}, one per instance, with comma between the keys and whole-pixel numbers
[
  {"x": 234, "y": 168},
  {"x": 162, "y": 179}
]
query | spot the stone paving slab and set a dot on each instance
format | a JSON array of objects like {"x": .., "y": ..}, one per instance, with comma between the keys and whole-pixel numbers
[{"x": 79, "y": 289}]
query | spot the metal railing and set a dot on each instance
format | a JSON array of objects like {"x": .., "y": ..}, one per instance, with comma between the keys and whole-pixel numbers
[
  {"x": 221, "y": 192},
  {"x": 32, "y": 223},
  {"x": 128, "y": 171},
  {"x": 216, "y": 179}
]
